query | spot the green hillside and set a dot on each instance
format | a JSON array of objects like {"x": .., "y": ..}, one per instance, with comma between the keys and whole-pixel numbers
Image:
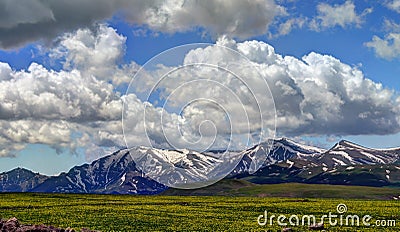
[{"x": 233, "y": 187}]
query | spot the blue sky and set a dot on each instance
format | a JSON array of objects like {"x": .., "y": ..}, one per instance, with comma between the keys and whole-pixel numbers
[{"x": 363, "y": 35}]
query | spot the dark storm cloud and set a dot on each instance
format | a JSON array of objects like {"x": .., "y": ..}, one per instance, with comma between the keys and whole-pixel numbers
[
  {"x": 30, "y": 20},
  {"x": 26, "y": 21}
]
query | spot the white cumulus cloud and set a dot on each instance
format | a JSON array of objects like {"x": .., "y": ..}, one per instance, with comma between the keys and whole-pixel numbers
[
  {"x": 78, "y": 107},
  {"x": 387, "y": 47},
  {"x": 394, "y": 5},
  {"x": 63, "y": 109},
  {"x": 343, "y": 15}
]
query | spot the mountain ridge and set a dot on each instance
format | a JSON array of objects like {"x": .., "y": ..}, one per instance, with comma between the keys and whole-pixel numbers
[
  {"x": 287, "y": 161},
  {"x": 20, "y": 180}
]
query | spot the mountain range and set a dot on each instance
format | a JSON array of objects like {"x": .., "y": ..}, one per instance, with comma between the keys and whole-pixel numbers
[{"x": 346, "y": 163}]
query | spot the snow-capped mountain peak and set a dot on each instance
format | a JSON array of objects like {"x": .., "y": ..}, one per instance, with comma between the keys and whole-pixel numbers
[
  {"x": 119, "y": 172},
  {"x": 348, "y": 153}
]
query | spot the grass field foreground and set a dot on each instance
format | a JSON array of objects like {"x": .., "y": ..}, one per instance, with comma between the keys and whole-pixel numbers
[{"x": 177, "y": 213}]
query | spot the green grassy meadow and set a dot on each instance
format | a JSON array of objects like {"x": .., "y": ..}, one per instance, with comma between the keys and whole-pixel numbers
[{"x": 183, "y": 213}]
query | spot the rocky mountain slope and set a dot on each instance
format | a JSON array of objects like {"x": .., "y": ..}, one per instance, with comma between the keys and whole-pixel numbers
[
  {"x": 345, "y": 163},
  {"x": 115, "y": 173},
  {"x": 287, "y": 161},
  {"x": 20, "y": 180}
]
